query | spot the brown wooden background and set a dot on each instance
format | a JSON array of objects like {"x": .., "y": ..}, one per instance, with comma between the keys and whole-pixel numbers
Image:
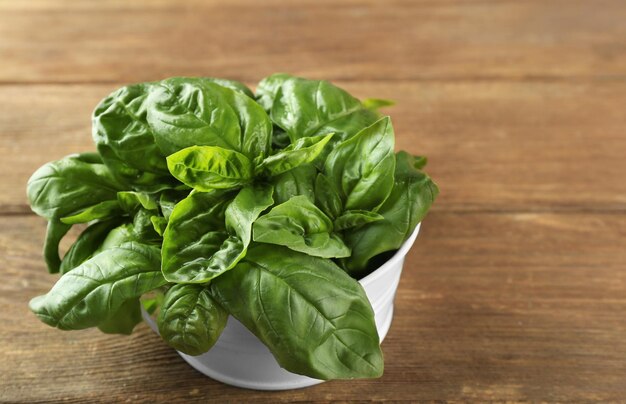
[{"x": 516, "y": 288}]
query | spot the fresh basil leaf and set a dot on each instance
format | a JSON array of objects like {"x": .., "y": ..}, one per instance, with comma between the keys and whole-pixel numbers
[
  {"x": 54, "y": 234},
  {"x": 204, "y": 238},
  {"x": 206, "y": 168},
  {"x": 302, "y": 151},
  {"x": 327, "y": 197},
  {"x": 299, "y": 225},
  {"x": 67, "y": 186},
  {"x": 86, "y": 244},
  {"x": 130, "y": 201},
  {"x": 190, "y": 320},
  {"x": 412, "y": 195},
  {"x": 125, "y": 140},
  {"x": 313, "y": 317},
  {"x": 362, "y": 167},
  {"x": 355, "y": 218},
  {"x": 194, "y": 112},
  {"x": 124, "y": 320},
  {"x": 298, "y": 181},
  {"x": 90, "y": 293},
  {"x": 102, "y": 210},
  {"x": 309, "y": 107}
]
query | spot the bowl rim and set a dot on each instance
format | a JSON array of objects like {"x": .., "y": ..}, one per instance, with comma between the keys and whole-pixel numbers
[{"x": 391, "y": 262}]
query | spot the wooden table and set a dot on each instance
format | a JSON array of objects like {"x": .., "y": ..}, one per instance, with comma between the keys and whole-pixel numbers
[{"x": 516, "y": 288}]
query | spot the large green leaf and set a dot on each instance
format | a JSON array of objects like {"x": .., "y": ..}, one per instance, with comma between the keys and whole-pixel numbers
[
  {"x": 206, "y": 168},
  {"x": 362, "y": 167},
  {"x": 190, "y": 320},
  {"x": 206, "y": 235},
  {"x": 302, "y": 151},
  {"x": 184, "y": 112},
  {"x": 125, "y": 140},
  {"x": 412, "y": 195},
  {"x": 67, "y": 186},
  {"x": 90, "y": 293},
  {"x": 299, "y": 225},
  {"x": 311, "y": 107},
  {"x": 313, "y": 317}
]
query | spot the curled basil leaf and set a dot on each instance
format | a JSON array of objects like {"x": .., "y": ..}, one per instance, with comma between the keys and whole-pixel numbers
[
  {"x": 302, "y": 151},
  {"x": 361, "y": 168},
  {"x": 190, "y": 320},
  {"x": 299, "y": 225},
  {"x": 206, "y": 168}
]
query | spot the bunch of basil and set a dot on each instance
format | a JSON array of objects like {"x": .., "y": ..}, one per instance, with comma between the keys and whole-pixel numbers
[{"x": 265, "y": 207}]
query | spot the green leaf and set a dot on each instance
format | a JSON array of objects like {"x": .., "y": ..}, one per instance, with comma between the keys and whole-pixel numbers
[
  {"x": 206, "y": 168},
  {"x": 356, "y": 218},
  {"x": 87, "y": 244},
  {"x": 102, "y": 210},
  {"x": 306, "y": 108},
  {"x": 124, "y": 320},
  {"x": 190, "y": 320},
  {"x": 92, "y": 292},
  {"x": 299, "y": 225},
  {"x": 65, "y": 187},
  {"x": 184, "y": 112},
  {"x": 412, "y": 195},
  {"x": 125, "y": 140},
  {"x": 327, "y": 197},
  {"x": 159, "y": 223},
  {"x": 313, "y": 317},
  {"x": 198, "y": 246},
  {"x": 130, "y": 201},
  {"x": 302, "y": 151},
  {"x": 362, "y": 167},
  {"x": 54, "y": 234},
  {"x": 298, "y": 181}
]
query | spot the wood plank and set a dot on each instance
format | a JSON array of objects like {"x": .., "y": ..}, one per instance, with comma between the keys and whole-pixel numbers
[
  {"x": 121, "y": 41},
  {"x": 492, "y": 145},
  {"x": 528, "y": 307}
]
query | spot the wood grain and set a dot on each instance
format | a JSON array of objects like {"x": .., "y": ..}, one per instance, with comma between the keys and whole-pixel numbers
[
  {"x": 90, "y": 41},
  {"x": 491, "y": 145},
  {"x": 528, "y": 307}
]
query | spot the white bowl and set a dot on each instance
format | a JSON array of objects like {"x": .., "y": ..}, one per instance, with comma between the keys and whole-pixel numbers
[{"x": 240, "y": 359}]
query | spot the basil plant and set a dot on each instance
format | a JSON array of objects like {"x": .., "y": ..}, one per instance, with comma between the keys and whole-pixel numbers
[{"x": 205, "y": 200}]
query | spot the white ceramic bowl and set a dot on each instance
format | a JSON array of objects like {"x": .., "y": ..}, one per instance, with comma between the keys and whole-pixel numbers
[{"x": 240, "y": 359}]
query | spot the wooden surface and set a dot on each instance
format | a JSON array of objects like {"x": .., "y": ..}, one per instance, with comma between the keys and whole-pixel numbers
[{"x": 516, "y": 287}]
